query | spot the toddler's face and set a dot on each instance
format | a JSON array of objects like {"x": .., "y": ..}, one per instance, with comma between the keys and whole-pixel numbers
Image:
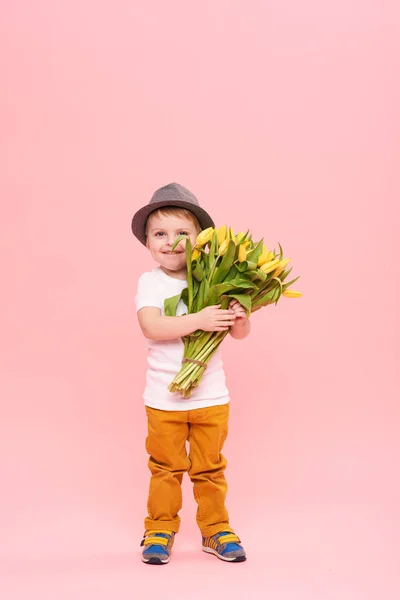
[{"x": 161, "y": 234}]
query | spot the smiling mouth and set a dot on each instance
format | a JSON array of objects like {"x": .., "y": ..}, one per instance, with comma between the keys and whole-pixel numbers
[{"x": 172, "y": 253}]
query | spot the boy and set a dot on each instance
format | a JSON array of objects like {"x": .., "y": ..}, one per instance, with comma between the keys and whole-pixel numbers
[{"x": 202, "y": 419}]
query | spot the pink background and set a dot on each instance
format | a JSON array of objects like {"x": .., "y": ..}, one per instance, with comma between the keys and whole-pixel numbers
[{"x": 282, "y": 116}]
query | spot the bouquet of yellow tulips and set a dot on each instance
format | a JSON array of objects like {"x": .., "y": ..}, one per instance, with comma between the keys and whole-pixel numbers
[{"x": 223, "y": 267}]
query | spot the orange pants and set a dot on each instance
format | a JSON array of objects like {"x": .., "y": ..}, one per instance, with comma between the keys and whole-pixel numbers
[{"x": 206, "y": 430}]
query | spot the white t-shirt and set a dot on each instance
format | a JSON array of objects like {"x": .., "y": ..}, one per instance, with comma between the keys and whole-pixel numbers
[{"x": 165, "y": 356}]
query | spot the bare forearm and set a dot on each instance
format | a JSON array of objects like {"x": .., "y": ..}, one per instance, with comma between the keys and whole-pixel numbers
[
  {"x": 171, "y": 328},
  {"x": 240, "y": 331}
]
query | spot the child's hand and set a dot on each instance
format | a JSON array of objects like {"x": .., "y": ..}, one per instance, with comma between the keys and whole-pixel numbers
[
  {"x": 214, "y": 318},
  {"x": 240, "y": 313},
  {"x": 241, "y": 329}
]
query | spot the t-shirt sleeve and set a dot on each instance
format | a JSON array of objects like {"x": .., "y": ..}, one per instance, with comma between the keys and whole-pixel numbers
[{"x": 148, "y": 292}]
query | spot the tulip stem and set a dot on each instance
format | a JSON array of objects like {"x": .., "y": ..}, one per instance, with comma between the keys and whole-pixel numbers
[
  {"x": 211, "y": 275},
  {"x": 186, "y": 370},
  {"x": 190, "y": 373},
  {"x": 191, "y": 381}
]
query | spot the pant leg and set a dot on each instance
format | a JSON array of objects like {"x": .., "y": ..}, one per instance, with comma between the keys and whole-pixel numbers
[
  {"x": 207, "y": 433},
  {"x": 165, "y": 443}
]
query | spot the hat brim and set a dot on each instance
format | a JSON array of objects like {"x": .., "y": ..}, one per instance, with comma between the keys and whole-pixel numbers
[{"x": 140, "y": 217}]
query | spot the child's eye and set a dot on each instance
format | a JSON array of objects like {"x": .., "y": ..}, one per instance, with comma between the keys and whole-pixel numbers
[{"x": 158, "y": 233}]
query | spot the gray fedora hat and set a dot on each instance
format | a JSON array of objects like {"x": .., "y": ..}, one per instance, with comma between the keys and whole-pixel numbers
[{"x": 172, "y": 194}]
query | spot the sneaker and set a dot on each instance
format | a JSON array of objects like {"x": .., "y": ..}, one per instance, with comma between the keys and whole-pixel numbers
[
  {"x": 225, "y": 545},
  {"x": 157, "y": 547}
]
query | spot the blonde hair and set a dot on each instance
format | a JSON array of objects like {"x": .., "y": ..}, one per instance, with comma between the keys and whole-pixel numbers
[{"x": 174, "y": 211}]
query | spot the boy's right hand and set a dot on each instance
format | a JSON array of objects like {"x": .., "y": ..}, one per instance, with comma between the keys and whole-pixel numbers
[{"x": 214, "y": 318}]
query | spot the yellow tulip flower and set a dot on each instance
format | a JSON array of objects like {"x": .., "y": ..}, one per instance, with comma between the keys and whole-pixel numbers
[
  {"x": 281, "y": 266},
  {"x": 242, "y": 253},
  {"x": 291, "y": 294},
  {"x": 223, "y": 247},
  {"x": 270, "y": 266},
  {"x": 221, "y": 236},
  {"x": 265, "y": 257},
  {"x": 204, "y": 236}
]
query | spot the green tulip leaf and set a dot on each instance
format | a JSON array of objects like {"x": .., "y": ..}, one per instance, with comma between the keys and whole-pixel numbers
[
  {"x": 243, "y": 238},
  {"x": 196, "y": 287},
  {"x": 261, "y": 275},
  {"x": 255, "y": 254},
  {"x": 213, "y": 250},
  {"x": 239, "y": 284},
  {"x": 189, "y": 274},
  {"x": 224, "y": 301},
  {"x": 241, "y": 267},
  {"x": 251, "y": 265},
  {"x": 171, "y": 304},
  {"x": 199, "y": 301},
  {"x": 185, "y": 296},
  {"x": 198, "y": 271},
  {"x": 286, "y": 285},
  {"x": 206, "y": 288},
  {"x": 244, "y": 300},
  {"x": 245, "y": 266},
  {"x": 179, "y": 239},
  {"x": 253, "y": 275},
  {"x": 266, "y": 299},
  {"x": 284, "y": 274},
  {"x": 223, "y": 269},
  {"x": 232, "y": 272},
  {"x": 216, "y": 291},
  {"x": 278, "y": 294},
  {"x": 278, "y": 281}
]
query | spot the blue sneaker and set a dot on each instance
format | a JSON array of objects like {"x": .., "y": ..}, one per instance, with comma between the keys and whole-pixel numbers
[
  {"x": 157, "y": 547},
  {"x": 225, "y": 545}
]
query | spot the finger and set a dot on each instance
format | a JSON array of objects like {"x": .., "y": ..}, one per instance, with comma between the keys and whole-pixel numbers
[{"x": 224, "y": 325}]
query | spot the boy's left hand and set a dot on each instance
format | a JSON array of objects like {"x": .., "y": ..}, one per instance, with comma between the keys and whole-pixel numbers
[{"x": 240, "y": 314}]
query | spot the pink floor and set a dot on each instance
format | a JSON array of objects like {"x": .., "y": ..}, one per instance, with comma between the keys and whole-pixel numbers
[
  {"x": 304, "y": 556},
  {"x": 339, "y": 549}
]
